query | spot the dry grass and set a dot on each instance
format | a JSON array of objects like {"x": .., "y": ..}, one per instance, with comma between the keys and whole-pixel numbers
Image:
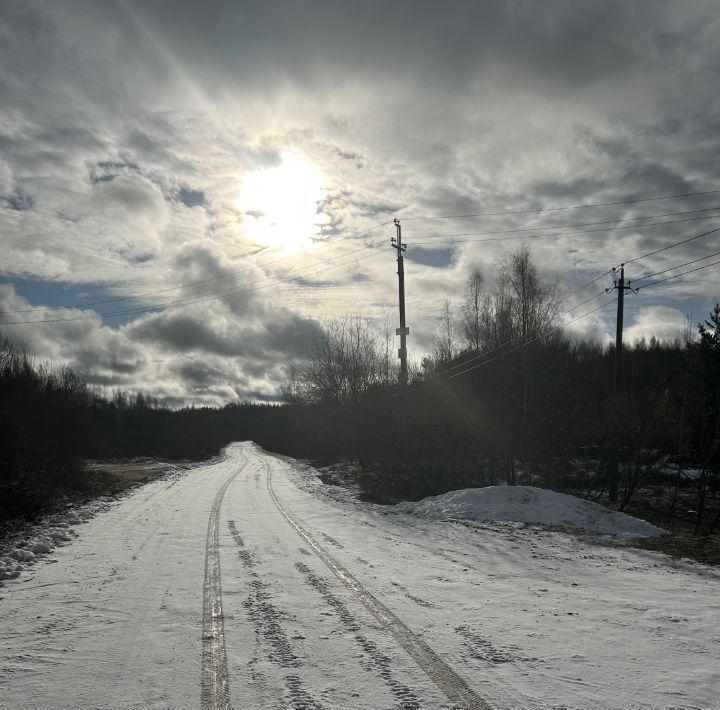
[
  {"x": 656, "y": 506},
  {"x": 107, "y": 477},
  {"x": 679, "y": 544}
]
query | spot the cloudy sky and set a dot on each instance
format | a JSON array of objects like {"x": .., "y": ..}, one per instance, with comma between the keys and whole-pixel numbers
[{"x": 188, "y": 189}]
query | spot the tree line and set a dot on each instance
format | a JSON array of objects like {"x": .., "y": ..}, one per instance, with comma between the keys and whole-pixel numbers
[
  {"x": 504, "y": 396},
  {"x": 51, "y": 421}
]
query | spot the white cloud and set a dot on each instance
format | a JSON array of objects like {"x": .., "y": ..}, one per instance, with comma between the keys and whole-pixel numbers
[
  {"x": 661, "y": 322},
  {"x": 110, "y": 112},
  {"x": 130, "y": 213},
  {"x": 194, "y": 353}
]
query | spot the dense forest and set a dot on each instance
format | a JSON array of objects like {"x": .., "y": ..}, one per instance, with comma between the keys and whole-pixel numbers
[{"x": 505, "y": 396}]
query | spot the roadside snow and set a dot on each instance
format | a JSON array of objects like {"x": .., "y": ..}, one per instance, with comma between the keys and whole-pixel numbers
[
  {"x": 527, "y": 504},
  {"x": 36, "y": 541}
]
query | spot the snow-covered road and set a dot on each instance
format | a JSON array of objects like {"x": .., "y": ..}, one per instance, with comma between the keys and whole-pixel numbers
[{"x": 245, "y": 584}]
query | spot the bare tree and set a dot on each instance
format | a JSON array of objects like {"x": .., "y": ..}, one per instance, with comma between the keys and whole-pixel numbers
[
  {"x": 496, "y": 324},
  {"x": 345, "y": 362},
  {"x": 445, "y": 346},
  {"x": 390, "y": 366},
  {"x": 534, "y": 303},
  {"x": 471, "y": 311},
  {"x": 522, "y": 309},
  {"x": 534, "y": 308}
]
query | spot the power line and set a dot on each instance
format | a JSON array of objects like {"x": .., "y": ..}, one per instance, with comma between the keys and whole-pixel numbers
[
  {"x": 382, "y": 224},
  {"x": 568, "y": 312},
  {"x": 569, "y": 226},
  {"x": 435, "y": 238},
  {"x": 484, "y": 356},
  {"x": 587, "y": 300},
  {"x": 500, "y": 347},
  {"x": 676, "y": 276},
  {"x": 672, "y": 246},
  {"x": 238, "y": 290},
  {"x": 526, "y": 343},
  {"x": 583, "y": 287},
  {"x": 677, "y": 266},
  {"x": 594, "y": 310},
  {"x": 195, "y": 283},
  {"x": 355, "y": 235},
  {"x": 558, "y": 209}
]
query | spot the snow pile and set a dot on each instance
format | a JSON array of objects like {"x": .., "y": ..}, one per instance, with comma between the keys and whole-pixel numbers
[
  {"x": 41, "y": 538},
  {"x": 527, "y": 504}
]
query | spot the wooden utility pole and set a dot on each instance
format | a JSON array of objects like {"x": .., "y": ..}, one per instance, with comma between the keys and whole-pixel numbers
[{"x": 403, "y": 330}]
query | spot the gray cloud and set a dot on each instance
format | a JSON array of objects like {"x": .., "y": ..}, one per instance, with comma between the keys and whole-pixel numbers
[
  {"x": 289, "y": 333},
  {"x": 170, "y": 356},
  {"x": 200, "y": 375},
  {"x": 126, "y": 131},
  {"x": 180, "y": 332}
]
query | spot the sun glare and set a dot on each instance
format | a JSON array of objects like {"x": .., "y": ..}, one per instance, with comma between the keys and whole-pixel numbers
[{"x": 280, "y": 203}]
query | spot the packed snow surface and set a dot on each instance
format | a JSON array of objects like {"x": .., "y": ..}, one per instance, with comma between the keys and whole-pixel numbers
[
  {"x": 527, "y": 504},
  {"x": 33, "y": 543},
  {"x": 250, "y": 569}
]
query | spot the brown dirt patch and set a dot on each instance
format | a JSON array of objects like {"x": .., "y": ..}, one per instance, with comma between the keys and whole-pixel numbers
[
  {"x": 679, "y": 517},
  {"x": 683, "y": 544},
  {"x": 107, "y": 477}
]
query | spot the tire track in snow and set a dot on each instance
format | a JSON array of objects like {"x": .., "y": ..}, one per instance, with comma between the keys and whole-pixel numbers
[
  {"x": 405, "y": 696},
  {"x": 266, "y": 620},
  {"x": 444, "y": 677},
  {"x": 214, "y": 687}
]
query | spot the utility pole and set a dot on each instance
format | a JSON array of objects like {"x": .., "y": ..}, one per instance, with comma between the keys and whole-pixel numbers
[
  {"x": 621, "y": 287},
  {"x": 403, "y": 330}
]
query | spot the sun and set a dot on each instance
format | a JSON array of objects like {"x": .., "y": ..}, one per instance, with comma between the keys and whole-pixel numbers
[{"x": 280, "y": 204}]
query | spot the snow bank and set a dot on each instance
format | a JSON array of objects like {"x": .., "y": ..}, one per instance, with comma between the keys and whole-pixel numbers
[
  {"x": 40, "y": 539},
  {"x": 527, "y": 504}
]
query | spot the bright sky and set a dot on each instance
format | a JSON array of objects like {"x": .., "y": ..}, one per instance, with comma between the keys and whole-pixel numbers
[
  {"x": 280, "y": 204},
  {"x": 232, "y": 161}
]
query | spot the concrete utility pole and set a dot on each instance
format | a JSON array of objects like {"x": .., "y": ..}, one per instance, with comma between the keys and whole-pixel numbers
[
  {"x": 403, "y": 330},
  {"x": 621, "y": 288}
]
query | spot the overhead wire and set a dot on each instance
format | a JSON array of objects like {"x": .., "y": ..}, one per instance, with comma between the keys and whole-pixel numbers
[
  {"x": 677, "y": 266},
  {"x": 502, "y": 346},
  {"x": 436, "y": 238},
  {"x": 528, "y": 342},
  {"x": 677, "y": 276},
  {"x": 484, "y": 356},
  {"x": 562, "y": 300},
  {"x": 568, "y": 226},
  {"x": 245, "y": 288},
  {"x": 584, "y": 286},
  {"x": 558, "y": 209},
  {"x": 587, "y": 300},
  {"x": 521, "y": 345},
  {"x": 236, "y": 290},
  {"x": 671, "y": 246},
  {"x": 145, "y": 294},
  {"x": 195, "y": 283}
]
